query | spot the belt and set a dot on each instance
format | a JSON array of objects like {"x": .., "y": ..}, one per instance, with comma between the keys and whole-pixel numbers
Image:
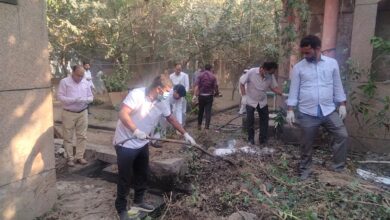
[{"x": 76, "y": 111}]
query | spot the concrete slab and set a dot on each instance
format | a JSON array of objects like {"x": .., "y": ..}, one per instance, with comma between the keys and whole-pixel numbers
[
  {"x": 164, "y": 174},
  {"x": 101, "y": 152},
  {"x": 29, "y": 197},
  {"x": 171, "y": 166}
]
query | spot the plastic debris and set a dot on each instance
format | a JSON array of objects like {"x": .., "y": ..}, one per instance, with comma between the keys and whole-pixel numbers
[{"x": 372, "y": 176}]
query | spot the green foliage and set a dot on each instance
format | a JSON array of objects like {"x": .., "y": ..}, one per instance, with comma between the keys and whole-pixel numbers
[
  {"x": 381, "y": 44},
  {"x": 279, "y": 122},
  {"x": 118, "y": 81},
  {"x": 369, "y": 108},
  {"x": 147, "y": 33},
  {"x": 368, "y": 88}
]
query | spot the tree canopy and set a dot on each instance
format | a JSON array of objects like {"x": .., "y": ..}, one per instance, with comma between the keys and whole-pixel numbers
[{"x": 135, "y": 34}]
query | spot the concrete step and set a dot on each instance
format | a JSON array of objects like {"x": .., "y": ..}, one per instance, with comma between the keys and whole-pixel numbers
[{"x": 164, "y": 174}]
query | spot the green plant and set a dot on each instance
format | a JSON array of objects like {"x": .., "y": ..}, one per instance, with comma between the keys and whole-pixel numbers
[
  {"x": 279, "y": 122},
  {"x": 369, "y": 108},
  {"x": 117, "y": 81}
]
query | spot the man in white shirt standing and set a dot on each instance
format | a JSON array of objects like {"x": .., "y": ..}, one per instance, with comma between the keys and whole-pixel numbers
[
  {"x": 179, "y": 77},
  {"x": 317, "y": 89},
  {"x": 254, "y": 87},
  {"x": 175, "y": 100},
  {"x": 88, "y": 76},
  {"x": 139, "y": 114},
  {"x": 75, "y": 94}
]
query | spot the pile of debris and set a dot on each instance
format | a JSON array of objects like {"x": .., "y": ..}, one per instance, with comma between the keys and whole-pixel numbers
[{"x": 263, "y": 184}]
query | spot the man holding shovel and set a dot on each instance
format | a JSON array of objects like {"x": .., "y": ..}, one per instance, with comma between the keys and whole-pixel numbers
[{"x": 139, "y": 114}]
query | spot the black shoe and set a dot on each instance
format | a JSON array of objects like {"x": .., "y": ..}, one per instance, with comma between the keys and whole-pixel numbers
[
  {"x": 263, "y": 141},
  {"x": 143, "y": 207},
  {"x": 123, "y": 216}
]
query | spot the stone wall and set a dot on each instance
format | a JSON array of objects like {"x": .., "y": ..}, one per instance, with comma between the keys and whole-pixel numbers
[{"x": 27, "y": 164}]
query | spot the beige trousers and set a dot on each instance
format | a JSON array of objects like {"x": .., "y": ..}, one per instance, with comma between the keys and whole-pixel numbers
[{"x": 71, "y": 123}]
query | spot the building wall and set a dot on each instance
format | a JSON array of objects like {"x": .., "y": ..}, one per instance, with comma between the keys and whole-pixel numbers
[
  {"x": 27, "y": 164},
  {"x": 362, "y": 138},
  {"x": 381, "y": 66},
  {"x": 344, "y": 29}
]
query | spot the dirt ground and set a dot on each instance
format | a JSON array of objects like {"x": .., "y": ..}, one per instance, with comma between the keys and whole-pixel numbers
[{"x": 265, "y": 184}]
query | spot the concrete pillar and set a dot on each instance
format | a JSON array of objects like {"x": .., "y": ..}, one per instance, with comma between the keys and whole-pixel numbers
[
  {"x": 329, "y": 33},
  {"x": 364, "y": 20},
  {"x": 27, "y": 164}
]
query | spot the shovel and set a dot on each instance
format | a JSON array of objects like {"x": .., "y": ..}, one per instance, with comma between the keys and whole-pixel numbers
[{"x": 197, "y": 146}]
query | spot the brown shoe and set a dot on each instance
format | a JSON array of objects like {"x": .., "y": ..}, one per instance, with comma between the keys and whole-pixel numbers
[
  {"x": 82, "y": 161},
  {"x": 71, "y": 163}
]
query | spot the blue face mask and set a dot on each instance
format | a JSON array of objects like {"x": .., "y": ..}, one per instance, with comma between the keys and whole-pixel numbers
[{"x": 161, "y": 97}]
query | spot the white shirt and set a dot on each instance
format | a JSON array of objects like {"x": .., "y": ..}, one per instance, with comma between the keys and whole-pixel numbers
[
  {"x": 69, "y": 90},
  {"x": 88, "y": 78},
  {"x": 145, "y": 116},
  {"x": 257, "y": 86},
  {"x": 316, "y": 84},
  {"x": 242, "y": 81},
  {"x": 182, "y": 78},
  {"x": 177, "y": 107}
]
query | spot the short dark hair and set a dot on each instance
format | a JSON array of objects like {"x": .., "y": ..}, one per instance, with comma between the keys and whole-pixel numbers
[
  {"x": 311, "y": 40},
  {"x": 208, "y": 67},
  {"x": 269, "y": 65},
  {"x": 86, "y": 62},
  {"x": 180, "y": 89},
  {"x": 161, "y": 81},
  {"x": 76, "y": 67}
]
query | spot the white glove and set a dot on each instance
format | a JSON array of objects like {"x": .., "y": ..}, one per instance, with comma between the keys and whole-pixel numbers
[
  {"x": 290, "y": 117},
  {"x": 342, "y": 112},
  {"x": 189, "y": 139},
  {"x": 139, "y": 134},
  {"x": 89, "y": 100}
]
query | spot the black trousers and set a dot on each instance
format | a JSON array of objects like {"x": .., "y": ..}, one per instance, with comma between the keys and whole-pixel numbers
[
  {"x": 263, "y": 123},
  {"x": 205, "y": 104},
  {"x": 133, "y": 164}
]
